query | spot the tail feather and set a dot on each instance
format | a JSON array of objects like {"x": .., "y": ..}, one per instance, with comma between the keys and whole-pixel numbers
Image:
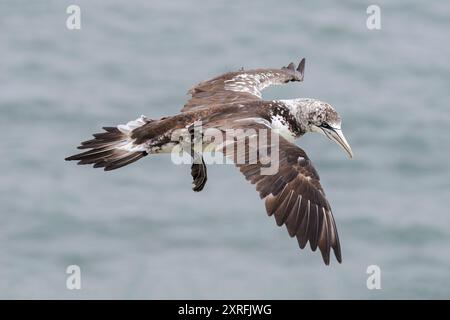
[
  {"x": 119, "y": 163},
  {"x": 104, "y": 139},
  {"x": 113, "y": 148}
]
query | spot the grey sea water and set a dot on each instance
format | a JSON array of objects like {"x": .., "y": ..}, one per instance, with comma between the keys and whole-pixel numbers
[{"x": 141, "y": 232}]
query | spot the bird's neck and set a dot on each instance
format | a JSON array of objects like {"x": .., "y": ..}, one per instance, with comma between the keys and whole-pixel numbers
[{"x": 284, "y": 117}]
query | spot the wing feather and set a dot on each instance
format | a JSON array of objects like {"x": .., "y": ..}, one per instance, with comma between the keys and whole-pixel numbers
[
  {"x": 240, "y": 86},
  {"x": 294, "y": 196}
]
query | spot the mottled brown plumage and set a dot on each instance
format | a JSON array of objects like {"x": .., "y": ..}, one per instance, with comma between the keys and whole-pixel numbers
[
  {"x": 219, "y": 90},
  {"x": 292, "y": 194}
]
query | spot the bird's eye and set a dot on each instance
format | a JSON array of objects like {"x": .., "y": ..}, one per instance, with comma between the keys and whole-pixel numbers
[{"x": 325, "y": 125}]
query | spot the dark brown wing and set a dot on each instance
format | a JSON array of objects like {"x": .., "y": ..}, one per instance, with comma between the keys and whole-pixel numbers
[
  {"x": 241, "y": 86},
  {"x": 292, "y": 194}
]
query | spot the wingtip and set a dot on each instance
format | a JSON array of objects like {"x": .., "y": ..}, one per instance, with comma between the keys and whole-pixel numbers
[
  {"x": 338, "y": 255},
  {"x": 301, "y": 68},
  {"x": 327, "y": 258},
  {"x": 299, "y": 71}
]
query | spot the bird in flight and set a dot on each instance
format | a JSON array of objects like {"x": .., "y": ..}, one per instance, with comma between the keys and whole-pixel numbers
[{"x": 232, "y": 101}]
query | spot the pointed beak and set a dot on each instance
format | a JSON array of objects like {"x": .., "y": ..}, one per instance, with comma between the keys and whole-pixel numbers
[{"x": 337, "y": 136}]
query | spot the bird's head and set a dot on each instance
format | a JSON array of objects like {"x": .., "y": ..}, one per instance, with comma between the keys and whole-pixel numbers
[{"x": 318, "y": 116}]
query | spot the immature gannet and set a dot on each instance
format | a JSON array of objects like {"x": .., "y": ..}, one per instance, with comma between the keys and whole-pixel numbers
[{"x": 292, "y": 193}]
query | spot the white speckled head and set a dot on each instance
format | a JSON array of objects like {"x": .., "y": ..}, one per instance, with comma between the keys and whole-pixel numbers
[
  {"x": 318, "y": 116},
  {"x": 311, "y": 113}
]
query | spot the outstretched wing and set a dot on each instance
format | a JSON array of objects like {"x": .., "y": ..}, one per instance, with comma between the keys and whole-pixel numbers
[
  {"x": 241, "y": 86},
  {"x": 292, "y": 193}
]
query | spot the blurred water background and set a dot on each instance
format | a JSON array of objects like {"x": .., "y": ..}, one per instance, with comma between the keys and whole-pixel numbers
[{"x": 141, "y": 232}]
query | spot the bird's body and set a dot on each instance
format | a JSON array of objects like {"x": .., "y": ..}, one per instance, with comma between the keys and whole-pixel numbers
[
  {"x": 276, "y": 113},
  {"x": 229, "y": 102}
]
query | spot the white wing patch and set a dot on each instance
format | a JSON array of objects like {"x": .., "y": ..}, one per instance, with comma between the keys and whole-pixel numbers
[
  {"x": 255, "y": 120},
  {"x": 252, "y": 83}
]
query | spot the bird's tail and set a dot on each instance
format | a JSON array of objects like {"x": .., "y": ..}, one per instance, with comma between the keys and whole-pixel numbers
[{"x": 113, "y": 148}]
